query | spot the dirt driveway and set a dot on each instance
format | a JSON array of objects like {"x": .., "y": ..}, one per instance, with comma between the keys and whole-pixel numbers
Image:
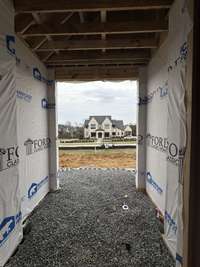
[{"x": 108, "y": 158}]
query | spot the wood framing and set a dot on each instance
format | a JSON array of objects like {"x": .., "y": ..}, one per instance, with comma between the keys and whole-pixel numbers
[
  {"x": 29, "y": 6},
  {"x": 97, "y": 28},
  {"x": 87, "y": 34},
  {"x": 99, "y": 56},
  {"x": 92, "y": 62},
  {"x": 96, "y": 73},
  {"x": 99, "y": 44}
]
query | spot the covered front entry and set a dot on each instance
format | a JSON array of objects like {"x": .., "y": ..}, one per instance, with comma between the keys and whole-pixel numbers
[{"x": 100, "y": 134}]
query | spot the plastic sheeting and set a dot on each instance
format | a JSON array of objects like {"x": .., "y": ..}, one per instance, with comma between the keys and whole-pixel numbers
[
  {"x": 24, "y": 143},
  {"x": 176, "y": 130},
  {"x": 33, "y": 137},
  {"x": 10, "y": 212},
  {"x": 166, "y": 126},
  {"x": 24, "y": 132}
]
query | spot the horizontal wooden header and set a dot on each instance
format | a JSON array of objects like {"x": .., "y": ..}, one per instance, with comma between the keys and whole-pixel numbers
[{"x": 96, "y": 73}]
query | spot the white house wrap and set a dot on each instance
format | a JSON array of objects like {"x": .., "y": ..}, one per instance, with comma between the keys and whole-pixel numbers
[
  {"x": 10, "y": 199},
  {"x": 166, "y": 125},
  {"x": 25, "y": 133},
  {"x": 34, "y": 140}
]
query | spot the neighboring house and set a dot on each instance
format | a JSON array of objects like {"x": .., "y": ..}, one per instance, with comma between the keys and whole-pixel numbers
[
  {"x": 103, "y": 127},
  {"x": 128, "y": 130}
]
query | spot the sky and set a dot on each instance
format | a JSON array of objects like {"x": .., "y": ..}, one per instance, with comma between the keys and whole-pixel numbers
[{"x": 78, "y": 101}]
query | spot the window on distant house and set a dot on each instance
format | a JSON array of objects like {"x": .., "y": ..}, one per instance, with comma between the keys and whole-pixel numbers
[
  {"x": 107, "y": 126},
  {"x": 114, "y": 134},
  {"x": 107, "y": 135},
  {"x": 93, "y": 126},
  {"x": 93, "y": 134}
]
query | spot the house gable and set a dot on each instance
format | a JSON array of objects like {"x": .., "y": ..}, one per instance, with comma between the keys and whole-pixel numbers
[
  {"x": 128, "y": 129},
  {"x": 93, "y": 122},
  {"x": 107, "y": 124}
]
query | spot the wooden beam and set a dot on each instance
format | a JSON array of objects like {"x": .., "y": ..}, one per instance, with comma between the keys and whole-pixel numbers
[
  {"x": 29, "y": 6},
  {"x": 98, "y": 28},
  {"x": 37, "y": 45},
  {"x": 67, "y": 18},
  {"x": 81, "y": 16},
  {"x": 87, "y": 69},
  {"x": 103, "y": 19},
  {"x": 96, "y": 73},
  {"x": 99, "y": 56},
  {"x": 92, "y": 62},
  {"x": 71, "y": 45}
]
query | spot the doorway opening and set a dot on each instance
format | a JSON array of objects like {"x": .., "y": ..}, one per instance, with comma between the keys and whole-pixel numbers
[{"x": 97, "y": 124}]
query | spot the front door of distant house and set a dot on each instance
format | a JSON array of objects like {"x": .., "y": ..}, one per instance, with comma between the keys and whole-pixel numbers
[{"x": 100, "y": 135}]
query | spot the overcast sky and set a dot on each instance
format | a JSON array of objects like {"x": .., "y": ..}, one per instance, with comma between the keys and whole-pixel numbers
[{"x": 77, "y": 101}]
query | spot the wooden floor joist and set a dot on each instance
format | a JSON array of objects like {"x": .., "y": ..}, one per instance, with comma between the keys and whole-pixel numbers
[
  {"x": 99, "y": 44},
  {"x": 97, "y": 28},
  {"x": 29, "y": 6}
]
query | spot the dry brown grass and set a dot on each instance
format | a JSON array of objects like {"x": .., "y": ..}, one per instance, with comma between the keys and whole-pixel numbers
[{"x": 116, "y": 158}]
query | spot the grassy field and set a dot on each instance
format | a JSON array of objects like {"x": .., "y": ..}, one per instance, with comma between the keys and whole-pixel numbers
[{"x": 105, "y": 158}]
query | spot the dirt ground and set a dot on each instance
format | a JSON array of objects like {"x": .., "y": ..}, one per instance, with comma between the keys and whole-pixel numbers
[{"x": 110, "y": 158}]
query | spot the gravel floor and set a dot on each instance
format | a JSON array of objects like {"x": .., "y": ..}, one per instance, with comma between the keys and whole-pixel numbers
[{"x": 84, "y": 225}]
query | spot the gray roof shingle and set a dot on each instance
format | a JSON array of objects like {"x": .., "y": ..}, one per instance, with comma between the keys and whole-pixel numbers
[
  {"x": 100, "y": 119},
  {"x": 118, "y": 124}
]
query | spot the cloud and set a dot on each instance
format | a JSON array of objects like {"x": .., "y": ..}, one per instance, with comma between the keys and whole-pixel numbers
[{"x": 77, "y": 101}]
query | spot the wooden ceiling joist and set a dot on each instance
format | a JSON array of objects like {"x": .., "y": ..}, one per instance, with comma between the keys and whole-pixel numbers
[
  {"x": 46, "y": 6},
  {"x": 87, "y": 69},
  {"x": 97, "y": 28},
  {"x": 99, "y": 56},
  {"x": 73, "y": 45},
  {"x": 92, "y": 40},
  {"x": 92, "y": 62}
]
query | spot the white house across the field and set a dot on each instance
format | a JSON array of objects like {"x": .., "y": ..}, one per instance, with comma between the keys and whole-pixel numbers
[{"x": 101, "y": 127}]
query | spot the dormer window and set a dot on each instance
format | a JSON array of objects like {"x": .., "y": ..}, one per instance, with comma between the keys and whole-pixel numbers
[
  {"x": 107, "y": 126},
  {"x": 93, "y": 126}
]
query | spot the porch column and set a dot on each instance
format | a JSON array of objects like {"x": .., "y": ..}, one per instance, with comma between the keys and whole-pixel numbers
[
  {"x": 141, "y": 132},
  {"x": 53, "y": 134}
]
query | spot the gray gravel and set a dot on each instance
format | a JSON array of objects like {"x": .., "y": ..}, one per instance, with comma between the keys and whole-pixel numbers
[{"x": 84, "y": 225}]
